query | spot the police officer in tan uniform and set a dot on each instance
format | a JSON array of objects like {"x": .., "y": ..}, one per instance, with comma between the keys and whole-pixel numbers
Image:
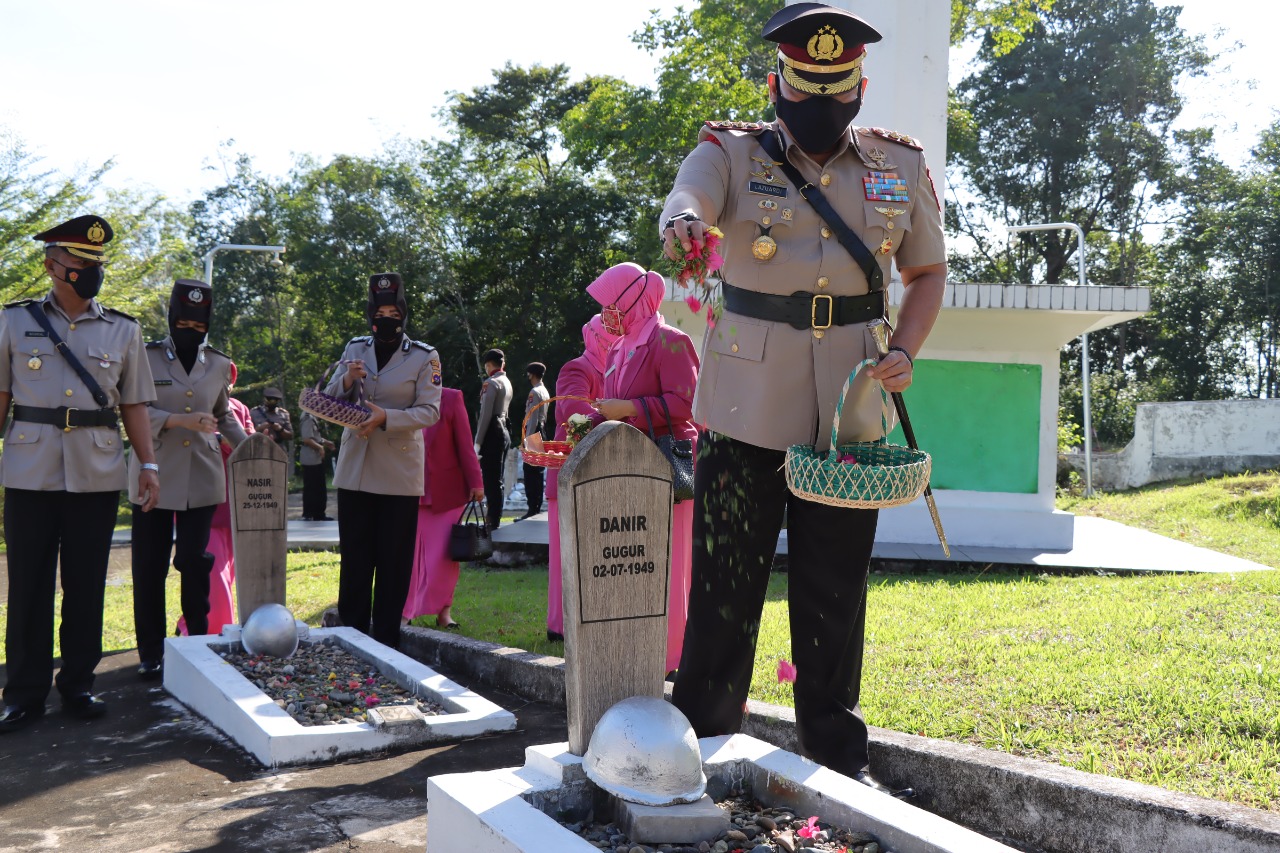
[
  {"x": 796, "y": 304},
  {"x": 492, "y": 438},
  {"x": 379, "y": 476},
  {"x": 190, "y": 410},
  {"x": 63, "y": 467}
]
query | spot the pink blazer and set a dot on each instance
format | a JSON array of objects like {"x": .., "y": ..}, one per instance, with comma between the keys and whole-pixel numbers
[
  {"x": 451, "y": 468},
  {"x": 577, "y": 378},
  {"x": 668, "y": 369}
]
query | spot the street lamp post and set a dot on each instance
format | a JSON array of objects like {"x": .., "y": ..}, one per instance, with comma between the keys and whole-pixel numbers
[
  {"x": 237, "y": 247},
  {"x": 1084, "y": 341}
]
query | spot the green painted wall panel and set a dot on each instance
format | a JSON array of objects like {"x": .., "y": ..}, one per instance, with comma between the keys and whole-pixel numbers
[{"x": 981, "y": 423}]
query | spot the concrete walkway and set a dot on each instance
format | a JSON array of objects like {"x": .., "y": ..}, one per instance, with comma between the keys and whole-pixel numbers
[{"x": 1100, "y": 545}]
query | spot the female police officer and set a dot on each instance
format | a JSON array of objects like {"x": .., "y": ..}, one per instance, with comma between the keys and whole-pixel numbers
[
  {"x": 380, "y": 465},
  {"x": 191, "y": 380}
]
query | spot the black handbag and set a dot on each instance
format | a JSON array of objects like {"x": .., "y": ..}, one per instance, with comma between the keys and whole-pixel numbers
[
  {"x": 469, "y": 538},
  {"x": 679, "y": 453}
]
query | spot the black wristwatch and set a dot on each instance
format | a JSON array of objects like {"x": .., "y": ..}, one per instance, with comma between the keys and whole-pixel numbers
[{"x": 686, "y": 216}]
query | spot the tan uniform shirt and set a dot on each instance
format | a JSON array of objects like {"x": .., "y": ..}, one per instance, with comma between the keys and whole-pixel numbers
[
  {"x": 390, "y": 461},
  {"x": 767, "y": 383},
  {"x": 46, "y": 458},
  {"x": 495, "y": 401},
  {"x": 191, "y": 470}
]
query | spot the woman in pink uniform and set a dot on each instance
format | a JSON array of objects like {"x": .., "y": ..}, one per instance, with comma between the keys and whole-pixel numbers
[
  {"x": 452, "y": 478},
  {"x": 654, "y": 363},
  {"x": 581, "y": 377}
]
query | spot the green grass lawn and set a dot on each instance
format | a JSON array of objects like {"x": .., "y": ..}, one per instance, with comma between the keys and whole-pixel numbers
[{"x": 1172, "y": 680}]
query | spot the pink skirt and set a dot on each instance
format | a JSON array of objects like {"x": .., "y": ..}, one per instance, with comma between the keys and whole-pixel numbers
[
  {"x": 435, "y": 576},
  {"x": 222, "y": 602},
  {"x": 677, "y": 589}
]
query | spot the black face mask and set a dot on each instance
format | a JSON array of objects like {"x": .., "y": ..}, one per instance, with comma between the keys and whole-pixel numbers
[
  {"x": 186, "y": 340},
  {"x": 817, "y": 123},
  {"x": 86, "y": 282},
  {"x": 270, "y": 405},
  {"x": 387, "y": 329}
]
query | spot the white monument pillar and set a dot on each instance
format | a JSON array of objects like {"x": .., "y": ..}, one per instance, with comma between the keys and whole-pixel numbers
[{"x": 907, "y": 73}]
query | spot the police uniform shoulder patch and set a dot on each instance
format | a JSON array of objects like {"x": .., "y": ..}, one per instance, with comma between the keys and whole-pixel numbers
[
  {"x": 744, "y": 126},
  {"x": 894, "y": 136},
  {"x": 361, "y": 339},
  {"x": 21, "y": 303},
  {"x": 120, "y": 313}
]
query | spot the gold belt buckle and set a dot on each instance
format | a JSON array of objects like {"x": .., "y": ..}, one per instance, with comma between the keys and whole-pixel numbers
[
  {"x": 66, "y": 420},
  {"x": 813, "y": 311}
]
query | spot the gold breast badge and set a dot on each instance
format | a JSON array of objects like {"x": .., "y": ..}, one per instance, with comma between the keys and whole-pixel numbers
[
  {"x": 886, "y": 245},
  {"x": 35, "y": 363},
  {"x": 766, "y": 170},
  {"x": 878, "y": 157},
  {"x": 764, "y": 247}
]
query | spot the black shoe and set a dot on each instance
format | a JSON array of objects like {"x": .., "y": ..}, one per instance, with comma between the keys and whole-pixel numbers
[
  {"x": 84, "y": 706},
  {"x": 323, "y": 518},
  {"x": 865, "y": 777},
  {"x": 306, "y": 518},
  {"x": 555, "y": 637},
  {"x": 15, "y": 717},
  {"x": 151, "y": 670}
]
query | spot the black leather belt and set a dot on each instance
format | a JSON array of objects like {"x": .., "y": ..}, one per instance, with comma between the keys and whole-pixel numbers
[
  {"x": 803, "y": 310},
  {"x": 65, "y": 416}
]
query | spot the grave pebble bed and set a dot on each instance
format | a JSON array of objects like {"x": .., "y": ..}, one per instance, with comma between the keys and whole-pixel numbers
[
  {"x": 322, "y": 684},
  {"x": 756, "y": 829}
]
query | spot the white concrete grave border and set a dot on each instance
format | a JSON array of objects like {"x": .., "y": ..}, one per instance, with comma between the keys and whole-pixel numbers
[
  {"x": 197, "y": 676},
  {"x": 510, "y": 810}
]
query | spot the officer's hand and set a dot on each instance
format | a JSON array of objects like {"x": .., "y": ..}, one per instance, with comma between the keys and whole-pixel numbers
[
  {"x": 328, "y": 445},
  {"x": 201, "y": 422},
  {"x": 375, "y": 420},
  {"x": 355, "y": 370},
  {"x": 894, "y": 372},
  {"x": 148, "y": 489},
  {"x": 684, "y": 232}
]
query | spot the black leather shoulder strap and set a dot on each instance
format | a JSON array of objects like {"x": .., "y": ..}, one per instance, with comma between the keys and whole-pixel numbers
[
  {"x": 36, "y": 310},
  {"x": 810, "y": 193}
]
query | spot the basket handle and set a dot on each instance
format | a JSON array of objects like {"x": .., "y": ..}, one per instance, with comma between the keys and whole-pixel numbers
[
  {"x": 359, "y": 382},
  {"x": 525, "y": 423},
  {"x": 833, "y": 453}
]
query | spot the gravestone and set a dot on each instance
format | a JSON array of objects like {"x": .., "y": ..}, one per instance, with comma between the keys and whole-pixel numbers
[
  {"x": 259, "y": 495},
  {"x": 615, "y": 544}
]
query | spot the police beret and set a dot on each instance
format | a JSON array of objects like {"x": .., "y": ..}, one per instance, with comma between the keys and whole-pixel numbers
[
  {"x": 83, "y": 237},
  {"x": 820, "y": 47}
]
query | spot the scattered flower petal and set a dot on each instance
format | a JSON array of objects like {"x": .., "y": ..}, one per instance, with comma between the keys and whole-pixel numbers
[{"x": 786, "y": 672}]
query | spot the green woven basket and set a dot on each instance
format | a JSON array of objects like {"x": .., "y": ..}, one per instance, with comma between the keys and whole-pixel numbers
[{"x": 885, "y": 474}]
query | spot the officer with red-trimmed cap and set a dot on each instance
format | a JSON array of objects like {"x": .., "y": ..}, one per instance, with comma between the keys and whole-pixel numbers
[
  {"x": 192, "y": 408},
  {"x": 814, "y": 210},
  {"x": 66, "y": 364}
]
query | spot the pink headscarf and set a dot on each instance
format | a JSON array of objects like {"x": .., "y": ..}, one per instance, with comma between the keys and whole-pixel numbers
[
  {"x": 637, "y": 293},
  {"x": 597, "y": 342}
]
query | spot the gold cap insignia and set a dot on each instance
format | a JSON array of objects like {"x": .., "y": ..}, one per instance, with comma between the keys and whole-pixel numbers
[
  {"x": 95, "y": 233},
  {"x": 826, "y": 44}
]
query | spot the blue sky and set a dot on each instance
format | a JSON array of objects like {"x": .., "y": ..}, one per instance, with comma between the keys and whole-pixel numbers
[{"x": 163, "y": 83}]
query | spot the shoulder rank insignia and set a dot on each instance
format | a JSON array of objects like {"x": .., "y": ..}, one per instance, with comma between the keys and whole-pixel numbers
[
  {"x": 361, "y": 339},
  {"x": 215, "y": 351},
  {"x": 21, "y": 303},
  {"x": 424, "y": 347},
  {"x": 894, "y": 136},
  {"x": 154, "y": 344},
  {"x": 746, "y": 126},
  {"x": 119, "y": 313}
]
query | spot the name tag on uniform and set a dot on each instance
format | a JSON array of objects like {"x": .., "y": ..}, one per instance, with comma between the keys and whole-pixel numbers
[
  {"x": 31, "y": 334},
  {"x": 164, "y": 381},
  {"x": 761, "y": 188}
]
